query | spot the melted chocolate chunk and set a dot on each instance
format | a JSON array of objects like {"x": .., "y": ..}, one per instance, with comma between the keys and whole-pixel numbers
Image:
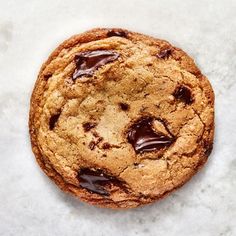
[
  {"x": 164, "y": 54},
  {"x": 183, "y": 94},
  {"x": 88, "y": 62},
  {"x": 124, "y": 106},
  {"x": 144, "y": 139},
  {"x": 117, "y": 33},
  {"x": 95, "y": 181},
  {"x": 88, "y": 126},
  {"x": 53, "y": 120}
]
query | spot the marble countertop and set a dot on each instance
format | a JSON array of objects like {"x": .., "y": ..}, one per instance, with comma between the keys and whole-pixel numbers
[{"x": 29, "y": 203}]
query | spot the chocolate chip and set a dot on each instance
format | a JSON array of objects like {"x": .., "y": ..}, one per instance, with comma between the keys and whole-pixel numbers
[
  {"x": 118, "y": 33},
  {"x": 88, "y": 62},
  {"x": 106, "y": 146},
  {"x": 164, "y": 53},
  {"x": 88, "y": 126},
  {"x": 99, "y": 140},
  {"x": 208, "y": 148},
  {"x": 92, "y": 145},
  {"x": 95, "y": 134},
  {"x": 124, "y": 106},
  {"x": 47, "y": 76},
  {"x": 138, "y": 165},
  {"x": 183, "y": 94},
  {"x": 144, "y": 139},
  {"x": 53, "y": 120},
  {"x": 96, "y": 181}
]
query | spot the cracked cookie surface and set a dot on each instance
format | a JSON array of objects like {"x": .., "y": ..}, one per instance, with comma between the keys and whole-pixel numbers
[{"x": 120, "y": 119}]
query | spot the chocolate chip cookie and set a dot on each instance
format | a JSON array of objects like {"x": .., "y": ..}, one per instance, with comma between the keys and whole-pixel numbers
[{"x": 120, "y": 119}]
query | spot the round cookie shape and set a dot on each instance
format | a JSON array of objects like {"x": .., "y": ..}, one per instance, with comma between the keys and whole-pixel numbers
[{"x": 120, "y": 119}]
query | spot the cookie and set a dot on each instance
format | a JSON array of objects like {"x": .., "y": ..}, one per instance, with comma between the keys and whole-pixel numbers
[{"x": 120, "y": 119}]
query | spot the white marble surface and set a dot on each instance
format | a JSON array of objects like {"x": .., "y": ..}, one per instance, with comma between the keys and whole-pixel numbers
[{"x": 29, "y": 203}]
